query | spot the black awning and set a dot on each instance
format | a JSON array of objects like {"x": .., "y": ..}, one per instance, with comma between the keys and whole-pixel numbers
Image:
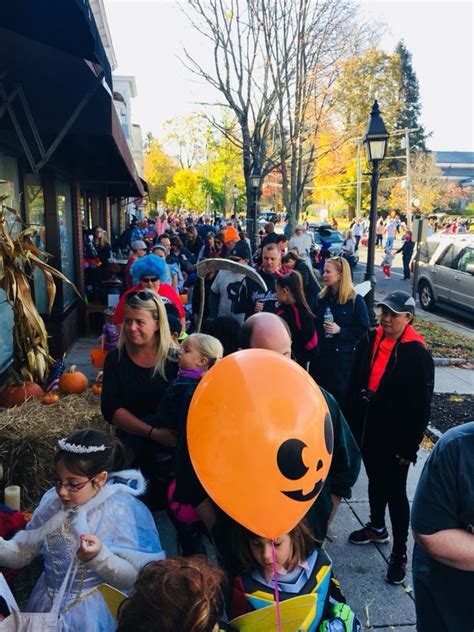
[
  {"x": 63, "y": 101},
  {"x": 67, "y": 25},
  {"x": 145, "y": 186},
  {"x": 97, "y": 151}
]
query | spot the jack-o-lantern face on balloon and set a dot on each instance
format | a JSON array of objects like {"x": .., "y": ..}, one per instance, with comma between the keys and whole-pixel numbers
[{"x": 260, "y": 438}]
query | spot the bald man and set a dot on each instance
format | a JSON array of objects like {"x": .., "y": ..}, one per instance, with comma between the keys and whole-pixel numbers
[{"x": 269, "y": 331}]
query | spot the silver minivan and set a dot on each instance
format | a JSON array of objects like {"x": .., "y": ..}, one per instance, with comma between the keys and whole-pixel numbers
[{"x": 446, "y": 273}]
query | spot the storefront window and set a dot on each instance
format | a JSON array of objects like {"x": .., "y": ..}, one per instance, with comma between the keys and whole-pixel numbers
[
  {"x": 34, "y": 204},
  {"x": 6, "y": 332},
  {"x": 9, "y": 182},
  {"x": 66, "y": 237},
  {"x": 9, "y": 187}
]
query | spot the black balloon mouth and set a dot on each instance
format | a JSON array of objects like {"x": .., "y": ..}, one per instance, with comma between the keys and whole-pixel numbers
[{"x": 300, "y": 497}]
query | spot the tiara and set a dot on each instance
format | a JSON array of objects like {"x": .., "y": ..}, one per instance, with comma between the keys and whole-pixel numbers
[{"x": 80, "y": 449}]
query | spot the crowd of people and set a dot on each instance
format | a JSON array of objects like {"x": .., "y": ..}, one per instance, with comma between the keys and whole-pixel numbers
[{"x": 95, "y": 525}]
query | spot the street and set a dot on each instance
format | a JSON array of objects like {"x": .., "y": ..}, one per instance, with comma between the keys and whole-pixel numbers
[{"x": 396, "y": 282}]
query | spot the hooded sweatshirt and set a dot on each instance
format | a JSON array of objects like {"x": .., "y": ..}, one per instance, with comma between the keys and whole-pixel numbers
[
  {"x": 389, "y": 393},
  {"x": 382, "y": 351}
]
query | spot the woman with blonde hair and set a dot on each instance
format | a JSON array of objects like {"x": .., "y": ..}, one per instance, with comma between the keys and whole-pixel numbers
[
  {"x": 136, "y": 376},
  {"x": 341, "y": 320}
]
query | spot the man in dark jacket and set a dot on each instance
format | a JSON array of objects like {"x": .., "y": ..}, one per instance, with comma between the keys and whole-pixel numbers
[
  {"x": 388, "y": 408},
  {"x": 407, "y": 253},
  {"x": 252, "y": 298}
]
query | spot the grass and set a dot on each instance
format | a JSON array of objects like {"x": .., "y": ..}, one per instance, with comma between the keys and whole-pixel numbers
[{"x": 444, "y": 343}]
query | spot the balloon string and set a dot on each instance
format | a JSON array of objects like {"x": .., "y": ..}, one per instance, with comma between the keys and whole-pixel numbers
[{"x": 275, "y": 580}]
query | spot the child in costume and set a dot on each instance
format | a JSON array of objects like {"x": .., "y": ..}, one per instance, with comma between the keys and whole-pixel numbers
[
  {"x": 197, "y": 354},
  {"x": 179, "y": 594},
  {"x": 110, "y": 333},
  {"x": 302, "y": 569},
  {"x": 387, "y": 262},
  {"x": 90, "y": 525},
  {"x": 295, "y": 311}
]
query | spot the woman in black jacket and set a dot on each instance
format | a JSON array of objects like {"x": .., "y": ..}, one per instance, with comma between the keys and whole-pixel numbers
[
  {"x": 337, "y": 340},
  {"x": 388, "y": 408}
]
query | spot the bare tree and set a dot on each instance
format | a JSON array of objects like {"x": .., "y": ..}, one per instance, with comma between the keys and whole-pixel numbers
[
  {"x": 241, "y": 75},
  {"x": 274, "y": 63},
  {"x": 305, "y": 40}
]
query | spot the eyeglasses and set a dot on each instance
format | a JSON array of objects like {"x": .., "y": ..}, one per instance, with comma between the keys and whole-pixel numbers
[
  {"x": 71, "y": 487},
  {"x": 149, "y": 279}
]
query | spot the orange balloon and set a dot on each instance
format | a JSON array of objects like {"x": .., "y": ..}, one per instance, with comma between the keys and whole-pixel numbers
[{"x": 260, "y": 438}]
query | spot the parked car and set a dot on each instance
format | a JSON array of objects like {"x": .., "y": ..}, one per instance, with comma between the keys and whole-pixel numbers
[
  {"x": 267, "y": 216},
  {"x": 446, "y": 273},
  {"x": 326, "y": 233}
]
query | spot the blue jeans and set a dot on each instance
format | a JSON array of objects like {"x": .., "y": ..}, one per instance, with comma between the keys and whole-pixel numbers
[{"x": 389, "y": 242}]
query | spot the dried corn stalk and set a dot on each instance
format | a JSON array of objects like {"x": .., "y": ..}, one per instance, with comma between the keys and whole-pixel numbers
[{"x": 19, "y": 256}]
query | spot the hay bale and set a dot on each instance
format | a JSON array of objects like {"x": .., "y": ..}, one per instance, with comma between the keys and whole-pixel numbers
[{"x": 29, "y": 439}]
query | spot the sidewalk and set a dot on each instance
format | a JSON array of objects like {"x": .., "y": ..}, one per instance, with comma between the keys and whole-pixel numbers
[
  {"x": 453, "y": 380},
  {"x": 360, "y": 569}
]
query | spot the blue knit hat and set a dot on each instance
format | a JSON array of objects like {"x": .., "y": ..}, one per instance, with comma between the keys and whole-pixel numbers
[{"x": 149, "y": 265}]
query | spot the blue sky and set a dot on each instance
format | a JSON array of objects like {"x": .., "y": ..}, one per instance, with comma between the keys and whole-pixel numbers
[{"x": 148, "y": 36}]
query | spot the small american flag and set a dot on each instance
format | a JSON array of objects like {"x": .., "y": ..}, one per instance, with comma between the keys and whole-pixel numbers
[{"x": 55, "y": 374}]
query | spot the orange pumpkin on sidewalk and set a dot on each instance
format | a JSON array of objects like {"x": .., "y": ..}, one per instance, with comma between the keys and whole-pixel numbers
[{"x": 72, "y": 381}]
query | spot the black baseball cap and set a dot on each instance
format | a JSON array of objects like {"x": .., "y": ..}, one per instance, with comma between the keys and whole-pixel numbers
[
  {"x": 399, "y": 302},
  {"x": 240, "y": 251}
]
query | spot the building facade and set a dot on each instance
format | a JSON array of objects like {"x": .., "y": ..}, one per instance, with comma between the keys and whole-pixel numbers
[{"x": 65, "y": 164}]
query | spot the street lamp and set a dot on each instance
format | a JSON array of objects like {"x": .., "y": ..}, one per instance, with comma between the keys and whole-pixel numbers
[
  {"x": 375, "y": 141},
  {"x": 255, "y": 179},
  {"x": 235, "y": 195}
]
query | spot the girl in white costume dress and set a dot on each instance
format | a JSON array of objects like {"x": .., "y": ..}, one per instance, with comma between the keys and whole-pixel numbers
[{"x": 91, "y": 520}]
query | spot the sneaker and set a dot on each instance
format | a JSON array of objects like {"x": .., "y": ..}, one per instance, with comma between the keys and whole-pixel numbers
[
  {"x": 397, "y": 568},
  {"x": 369, "y": 534}
]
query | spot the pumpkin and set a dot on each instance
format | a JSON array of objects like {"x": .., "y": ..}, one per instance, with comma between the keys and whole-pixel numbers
[
  {"x": 73, "y": 381},
  {"x": 50, "y": 398},
  {"x": 17, "y": 395},
  {"x": 97, "y": 389}
]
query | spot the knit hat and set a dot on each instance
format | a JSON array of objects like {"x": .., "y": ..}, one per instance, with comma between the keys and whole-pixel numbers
[
  {"x": 230, "y": 234},
  {"x": 138, "y": 244}
]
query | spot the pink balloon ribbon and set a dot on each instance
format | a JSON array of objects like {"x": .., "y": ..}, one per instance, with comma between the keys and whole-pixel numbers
[{"x": 275, "y": 579}]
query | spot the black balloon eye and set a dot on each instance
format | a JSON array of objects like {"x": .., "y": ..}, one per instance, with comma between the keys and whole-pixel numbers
[
  {"x": 290, "y": 459},
  {"x": 328, "y": 433}
]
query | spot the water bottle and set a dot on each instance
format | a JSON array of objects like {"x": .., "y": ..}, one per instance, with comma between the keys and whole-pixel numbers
[{"x": 328, "y": 318}]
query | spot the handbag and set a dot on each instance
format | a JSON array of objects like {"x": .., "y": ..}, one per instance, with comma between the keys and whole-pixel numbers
[{"x": 40, "y": 621}]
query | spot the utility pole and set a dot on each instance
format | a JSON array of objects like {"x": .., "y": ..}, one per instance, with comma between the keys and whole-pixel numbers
[
  {"x": 408, "y": 171},
  {"x": 359, "y": 180}
]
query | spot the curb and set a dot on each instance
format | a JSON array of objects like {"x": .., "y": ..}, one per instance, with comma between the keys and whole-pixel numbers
[
  {"x": 433, "y": 433},
  {"x": 438, "y": 361}
]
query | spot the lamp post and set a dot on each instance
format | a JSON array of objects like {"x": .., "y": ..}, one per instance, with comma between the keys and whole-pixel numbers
[
  {"x": 235, "y": 195},
  {"x": 255, "y": 179},
  {"x": 375, "y": 141}
]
